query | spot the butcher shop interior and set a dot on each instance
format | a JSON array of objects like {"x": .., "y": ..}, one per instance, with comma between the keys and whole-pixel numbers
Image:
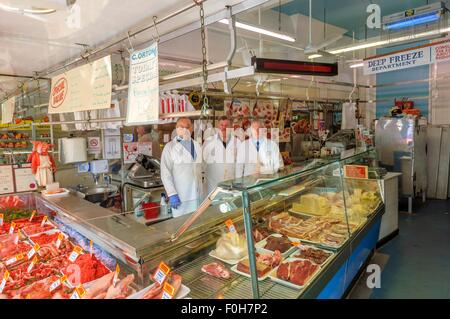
[{"x": 224, "y": 149}]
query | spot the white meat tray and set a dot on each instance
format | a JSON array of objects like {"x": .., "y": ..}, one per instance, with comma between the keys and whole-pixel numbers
[
  {"x": 273, "y": 276},
  {"x": 182, "y": 293}
]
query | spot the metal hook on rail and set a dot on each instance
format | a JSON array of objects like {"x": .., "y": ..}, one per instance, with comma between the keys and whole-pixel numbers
[
  {"x": 131, "y": 44},
  {"x": 156, "y": 29}
]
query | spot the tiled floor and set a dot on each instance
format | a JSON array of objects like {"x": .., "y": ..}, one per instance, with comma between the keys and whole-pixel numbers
[{"x": 419, "y": 257}]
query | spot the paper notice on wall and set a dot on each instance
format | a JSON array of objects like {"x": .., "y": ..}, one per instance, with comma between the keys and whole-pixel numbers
[
  {"x": 145, "y": 148},
  {"x": 143, "y": 89},
  {"x": 94, "y": 145},
  {"x": 8, "y": 110},
  {"x": 84, "y": 88},
  {"x": 25, "y": 180},
  {"x": 112, "y": 147},
  {"x": 6, "y": 179},
  {"x": 130, "y": 152},
  {"x": 441, "y": 52}
]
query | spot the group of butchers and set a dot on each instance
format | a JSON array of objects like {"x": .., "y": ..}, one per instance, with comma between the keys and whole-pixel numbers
[{"x": 190, "y": 171}]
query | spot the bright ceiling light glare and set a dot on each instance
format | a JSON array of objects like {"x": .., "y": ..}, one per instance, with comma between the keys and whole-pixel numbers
[
  {"x": 30, "y": 11},
  {"x": 419, "y": 20},
  {"x": 314, "y": 56},
  {"x": 356, "y": 65},
  {"x": 260, "y": 31}
]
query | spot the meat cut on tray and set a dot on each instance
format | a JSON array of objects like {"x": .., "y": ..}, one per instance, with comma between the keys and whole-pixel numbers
[
  {"x": 297, "y": 272},
  {"x": 85, "y": 268},
  {"x": 317, "y": 256},
  {"x": 216, "y": 269},
  {"x": 282, "y": 243},
  {"x": 156, "y": 290},
  {"x": 264, "y": 263}
]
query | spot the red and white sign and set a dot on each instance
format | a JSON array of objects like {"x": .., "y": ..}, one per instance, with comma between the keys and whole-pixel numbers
[
  {"x": 94, "y": 145},
  {"x": 441, "y": 52},
  {"x": 84, "y": 88},
  {"x": 356, "y": 171}
]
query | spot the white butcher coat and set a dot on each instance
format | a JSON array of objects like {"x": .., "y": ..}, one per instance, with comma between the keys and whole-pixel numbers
[
  {"x": 182, "y": 175},
  {"x": 249, "y": 161}
]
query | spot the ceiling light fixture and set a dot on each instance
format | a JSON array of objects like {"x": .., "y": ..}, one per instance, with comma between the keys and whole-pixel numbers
[
  {"x": 315, "y": 56},
  {"x": 356, "y": 65},
  {"x": 390, "y": 41},
  {"x": 249, "y": 27},
  {"x": 30, "y": 11}
]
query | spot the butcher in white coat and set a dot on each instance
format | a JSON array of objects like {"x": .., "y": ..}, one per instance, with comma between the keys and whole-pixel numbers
[
  {"x": 219, "y": 155},
  {"x": 181, "y": 170},
  {"x": 258, "y": 155}
]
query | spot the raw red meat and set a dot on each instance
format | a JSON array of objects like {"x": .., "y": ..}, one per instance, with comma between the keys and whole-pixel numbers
[
  {"x": 216, "y": 269},
  {"x": 45, "y": 238},
  {"x": 37, "y": 228},
  {"x": 9, "y": 249},
  {"x": 90, "y": 268},
  {"x": 297, "y": 272},
  {"x": 156, "y": 291}
]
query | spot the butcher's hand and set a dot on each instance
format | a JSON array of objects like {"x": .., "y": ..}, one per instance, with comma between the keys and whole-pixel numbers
[{"x": 174, "y": 201}]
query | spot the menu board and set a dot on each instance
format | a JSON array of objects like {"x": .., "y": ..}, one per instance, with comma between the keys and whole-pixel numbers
[
  {"x": 6, "y": 179},
  {"x": 143, "y": 89},
  {"x": 8, "y": 110},
  {"x": 25, "y": 180},
  {"x": 85, "y": 88}
]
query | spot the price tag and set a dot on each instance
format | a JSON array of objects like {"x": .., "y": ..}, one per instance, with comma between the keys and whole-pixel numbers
[
  {"x": 296, "y": 243},
  {"x": 58, "y": 282},
  {"x": 116, "y": 274},
  {"x": 33, "y": 251},
  {"x": 44, "y": 220},
  {"x": 14, "y": 259},
  {"x": 79, "y": 292},
  {"x": 356, "y": 171},
  {"x": 4, "y": 280},
  {"x": 16, "y": 239},
  {"x": 12, "y": 227},
  {"x": 161, "y": 273},
  {"x": 230, "y": 225},
  {"x": 32, "y": 215},
  {"x": 91, "y": 247},
  {"x": 59, "y": 240},
  {"x": 32, "y": 263},
  {"x": 1, "y": 219},
  {"x": 168, "y": 291},
  {"x": 75, "y": 253}
]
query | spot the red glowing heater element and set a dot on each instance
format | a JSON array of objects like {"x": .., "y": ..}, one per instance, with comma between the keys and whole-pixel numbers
[{"x": 294, "y": 67}]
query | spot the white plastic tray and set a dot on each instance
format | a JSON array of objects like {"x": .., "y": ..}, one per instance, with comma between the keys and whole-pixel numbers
[
  {"x": 273, "y": 276},
  {"x": 234, "y": 268},
  {"x": 62, "y": 194},
  {"x": 182, "y": 293},
  {"x": 260, "y": 246},
  {"x": 212, "y": 253}
]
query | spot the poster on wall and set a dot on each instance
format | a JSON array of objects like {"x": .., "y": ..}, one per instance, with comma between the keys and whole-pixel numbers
[
  {"x": 143, "y": 90},
  {"x": 441, "y": 52},
  {"x": 84, "y": 88},
  {"x": 6, "y": 179},
  {"x": 111, "y": 147},
  {"x": 8, "y": 110},
  {"x": 130, "y": 152},
  {"x": 25, "y": 180}
]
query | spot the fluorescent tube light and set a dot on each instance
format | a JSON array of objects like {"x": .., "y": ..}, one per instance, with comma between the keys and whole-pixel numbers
[
  {"x": 413, "y": 21},
  {"x": 260, "y": 30},
  {"x": 315, "y": 56},
  {"x": 356, "y": 65}
]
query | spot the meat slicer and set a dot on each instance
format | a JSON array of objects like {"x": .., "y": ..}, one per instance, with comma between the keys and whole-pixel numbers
[{"x": 145, "y": 168}]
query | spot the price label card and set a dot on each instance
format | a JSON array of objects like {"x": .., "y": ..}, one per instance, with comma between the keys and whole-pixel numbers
[
  {"x": 33, "y": 251},
  {"x": 296, "y": 243},
  {"x": 168, "y": 291},
  {"x": 17, "y": 237},
  {"x": 91, "y": 247},
  {"x": 75, "y": 253},
  {"x": 58, "y": 283},
  {"x": 1, "y": 219},
  {"x": 356, "y": 171},
  {"x": 4, "y": 280},
  {"x": 33, "y": 213},
  {"x": 78, "y": 293},
  {"x": 161, "y": 273},
  {"x": 230, "y": 225},
  {"x": 14, "y": 259},
  {"x": 44, "y": 220},
  {"x": 32, "y": 263},
  {"x": 12, "y": 227},
  {"x": 59, "y": 240},
  {"x": 116, "y": 274}
]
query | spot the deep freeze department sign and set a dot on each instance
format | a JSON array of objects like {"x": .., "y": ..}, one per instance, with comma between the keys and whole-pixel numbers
[{"x": 398, "y": 61}]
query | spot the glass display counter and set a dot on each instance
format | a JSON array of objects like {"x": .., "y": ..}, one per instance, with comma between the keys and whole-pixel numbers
[{"x": 302, "y": 233}]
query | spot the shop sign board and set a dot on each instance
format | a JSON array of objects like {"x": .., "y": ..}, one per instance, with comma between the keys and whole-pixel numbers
[
  {"x": 8, "y": 110},
  {"x": 356, "y": 171},
  {"x": 143, "y": 89},
  {"x": 407, "y": 59},
  {"x": 84, "y": 88}
]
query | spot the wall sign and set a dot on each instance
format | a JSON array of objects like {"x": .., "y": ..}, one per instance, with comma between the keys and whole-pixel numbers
[
  {"x": 111, "y": 148},
  {"x": 130, "y": 152},
  {"x": 8, "y": 110},
  {"x": 94, "y": 145},
  {"x": 356, "y": 171},
  {"x": 25, "y": 180},
  {"x": 423, "y": 55},
  {"x": 143, "y": 90},
  {"x": 6, "y": 179},
  {"x": 85, "y": 88}
]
